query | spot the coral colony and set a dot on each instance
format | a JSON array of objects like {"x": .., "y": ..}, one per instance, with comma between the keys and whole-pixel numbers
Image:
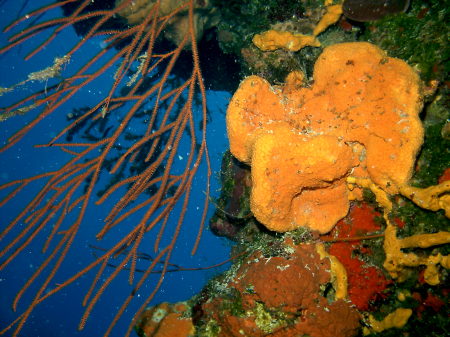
[{"x": 339, "y": 229}]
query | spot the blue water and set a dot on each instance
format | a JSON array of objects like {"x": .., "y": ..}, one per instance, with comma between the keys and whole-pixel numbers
[{"x": 60, "y": 314}]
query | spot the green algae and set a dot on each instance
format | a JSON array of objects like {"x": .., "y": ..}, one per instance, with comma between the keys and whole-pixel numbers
[{"x": 419, "y": 36}]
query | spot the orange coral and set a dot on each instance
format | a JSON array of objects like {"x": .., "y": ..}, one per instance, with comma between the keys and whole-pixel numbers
[
  {"x": 396, "y": 319},
  {"x": 291, "y": 304},
  {"x": 313, "y": 166},
  {"x": 165, "y": 320},
  {"x": 273, "y": 39},
  {"x": 365, "y": 281},
  {"x": 360, "y": 116},
  {"x": 397, "y": 260}
]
